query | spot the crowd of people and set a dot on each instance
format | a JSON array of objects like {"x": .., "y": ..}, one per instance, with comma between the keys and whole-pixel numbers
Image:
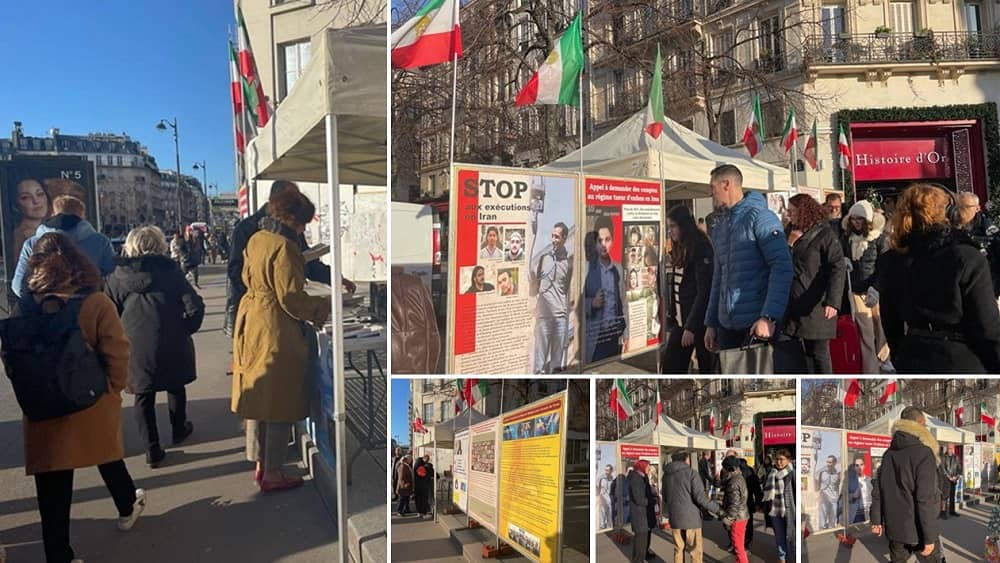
[
  {"x": 412, "y": 480},
  {"x": 125, "y": 324},
  {"x": 686, "y": 496},
  {"x": 914, "y": 280}
]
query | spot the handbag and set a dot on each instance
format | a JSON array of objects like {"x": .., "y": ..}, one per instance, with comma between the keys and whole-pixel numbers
[{"x": 753, "y": 357}]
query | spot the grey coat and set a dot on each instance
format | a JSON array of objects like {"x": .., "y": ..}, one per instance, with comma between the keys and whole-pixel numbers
[
  {"x": 735, "y": 494},
  {"x": 684, "y": 497},
  {"x": 637, "y": 507}
]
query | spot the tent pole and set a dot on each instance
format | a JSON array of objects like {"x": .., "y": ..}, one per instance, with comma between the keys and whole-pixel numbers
[{"x": 454, "y": 97}]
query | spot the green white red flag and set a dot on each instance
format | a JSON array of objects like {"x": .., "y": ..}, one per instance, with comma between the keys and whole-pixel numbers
[
  {"x": 711, "y": 421},
  {"x": 475, "y": 390},
  {"x": 654, "y": 108},
  {"x": 728, "y": 427},
  {"x": 621, "y": 405},
  {"x": 890, "y": 389},
  {"x": 432, "y": 36},
  {"x": 753, "y": 136},
  {"x": 849, "y": 395},
  {"x": 985, "y": 417},
  {"x": 459, "y": 396},
  {"x": 960, "y": 415},
  {"x": 236, "y": 94},
  {"x": 255, "y": 101},
  {"x": 557, "y": 81},
  {"x": 418, "y": 426},
  {"x": 659, "y": 406},
  {"x": 791, "y": 132},
  {"x": 809, "y": 153},
  {"x": 844, "y": 149}
]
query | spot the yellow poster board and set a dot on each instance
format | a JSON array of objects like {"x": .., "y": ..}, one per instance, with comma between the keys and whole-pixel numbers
[{"x": 532, "y": 466}]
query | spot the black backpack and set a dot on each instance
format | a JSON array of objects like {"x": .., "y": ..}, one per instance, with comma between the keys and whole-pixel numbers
[{"x": 53, "y": 371}]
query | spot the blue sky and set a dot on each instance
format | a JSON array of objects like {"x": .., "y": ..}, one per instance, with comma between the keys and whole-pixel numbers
[
  {"x": 399, "y": 407},
  {"x": 120, "y": 66}
]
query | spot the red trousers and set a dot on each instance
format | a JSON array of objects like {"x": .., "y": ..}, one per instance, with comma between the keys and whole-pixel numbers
[{"x": 737, "y": 532}]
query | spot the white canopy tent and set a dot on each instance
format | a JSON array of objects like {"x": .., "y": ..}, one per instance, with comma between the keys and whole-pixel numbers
[
  {"x": 673, "y": 434},
  {"x": 941, "y": 430},
  {"x": 687, "y": 159},
  {"x": 444, "y": 432},
  {"x": 331, "y": 128}
]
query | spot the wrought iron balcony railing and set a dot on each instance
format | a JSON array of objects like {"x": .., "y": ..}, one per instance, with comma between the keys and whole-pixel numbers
[{"x": 902, "y": 47}]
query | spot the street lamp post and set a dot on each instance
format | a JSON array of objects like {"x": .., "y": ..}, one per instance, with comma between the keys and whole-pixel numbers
[
  {"x": 162, "y": 126},
  {"x": 204, "y": 187}
]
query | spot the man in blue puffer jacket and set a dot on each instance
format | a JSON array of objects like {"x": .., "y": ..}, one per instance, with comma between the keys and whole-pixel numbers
[
  {"x": 69, "y": 220},
  {"x": 753, "y": 266}
]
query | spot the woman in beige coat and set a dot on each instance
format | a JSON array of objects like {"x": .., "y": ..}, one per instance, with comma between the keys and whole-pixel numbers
[
  {"x": 53, "y": 448},
  {"x": 270, "y": 342}
]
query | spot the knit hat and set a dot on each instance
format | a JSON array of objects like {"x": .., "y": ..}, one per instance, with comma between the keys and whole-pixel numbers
[
  {"x": 862, "y": 209},
  {"x": 731, "y": 463}
]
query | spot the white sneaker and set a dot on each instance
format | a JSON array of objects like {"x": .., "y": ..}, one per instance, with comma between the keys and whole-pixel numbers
[{"x": 125, "y": 523}]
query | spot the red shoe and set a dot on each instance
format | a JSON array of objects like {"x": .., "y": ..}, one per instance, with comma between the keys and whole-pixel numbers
[
  {"x": 258, "y": 476},
  {"x": 285, "y": 484}
]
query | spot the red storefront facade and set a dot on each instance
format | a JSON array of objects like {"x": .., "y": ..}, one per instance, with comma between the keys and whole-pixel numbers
[{"x": 888, "y": 156}]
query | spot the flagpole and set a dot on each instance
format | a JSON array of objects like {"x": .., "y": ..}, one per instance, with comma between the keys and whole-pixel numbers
[
  {"x": 454, "y": 98},
  {"x": 794, "y": 166},
  {"x": 843, "y": 407},
  {"x": 236, "y": 149}
]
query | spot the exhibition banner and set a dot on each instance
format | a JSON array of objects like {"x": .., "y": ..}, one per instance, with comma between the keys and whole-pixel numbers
[
  {"x": 29, "y": 185},
  {"x": 460, "y": 472},
  {"x": 512, "y": 306},
  {"x": 532, "y": 466},
  {"x": 820, "y": 478},
  {"x": 606, "y": 471},
  {"x": 622, "y": 248},
  {"x": 864, "y": 457},
  {"x": 483, "y": 452}
]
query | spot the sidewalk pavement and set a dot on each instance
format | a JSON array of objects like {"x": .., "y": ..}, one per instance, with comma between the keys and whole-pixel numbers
[
  {"x": 962, "y": 539},
  {"x": 202, "y": 503},
  {"x": 415, "y": 540},
  {"x": 715, "y": 538}
]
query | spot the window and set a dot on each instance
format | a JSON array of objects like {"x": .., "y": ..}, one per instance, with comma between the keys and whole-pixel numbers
[
  {"x": 771, "y": 54},
  {"x": 445, "y": 413},
  {"x": 901, "y": 17},
  {"x": 727, "y": 128},
  {"x": 973, "y": 18},
  {"x": 119, "y": 159},
  {"x": 833, "y": 23},
  {"x": 428, "y": 412},
  {"x": 774, "y": 118},
  {"x": 294, "y": 58},
  {"x": 428, "y": 385}
]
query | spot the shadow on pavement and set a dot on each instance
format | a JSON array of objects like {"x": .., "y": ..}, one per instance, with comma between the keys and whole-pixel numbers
[
  {"x": 182, "y": 530},
  {"x": 423, "y": 549}
]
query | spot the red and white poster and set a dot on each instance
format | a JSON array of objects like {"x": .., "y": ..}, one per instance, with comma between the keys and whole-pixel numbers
[
  {"x": 622, "y": 248},
  {"x": 513, "y": 281}
]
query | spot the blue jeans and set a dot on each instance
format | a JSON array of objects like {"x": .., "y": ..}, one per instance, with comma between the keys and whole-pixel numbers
[
  {"x": 550, "y": 344},
  {"x": 781, "y": 536}
]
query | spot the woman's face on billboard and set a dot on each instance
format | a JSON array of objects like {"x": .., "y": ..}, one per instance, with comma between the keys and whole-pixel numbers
[{"x": 32, "y": 201}]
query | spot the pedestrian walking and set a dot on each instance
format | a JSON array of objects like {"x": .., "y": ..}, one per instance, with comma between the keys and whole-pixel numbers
[
  {"x": 752, "y": 271},
  {"x": 195, "y": 255},
  {"x": 706, "y": 471},
  {"x": 735, "y": 516},
  {"x": 864, "y": 242},
  {"x": 638, "y": 487},
  {"x": 692, "y": 259},
  {"x": 423, "y": 485},
  {"x": 939, "y": 310},
  {"x": 396, "y": 459},
  {"x": 818, "y": 282},
  {"x": 907, "y": 488},
  {"x": 69, "y": 219},
  {"x": 684, "y": 499},
  {"x": 271, "y": 344},
  {"x": 779, "y": 503},
  {"x": 404, "y": 485},
  {"x": 160, "y": 312},
  {"x": 62, "y": 276},
  {"x": 950, "y": 474}
]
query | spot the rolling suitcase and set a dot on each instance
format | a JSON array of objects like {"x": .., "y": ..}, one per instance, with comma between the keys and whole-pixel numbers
[{"x": 845, "y": 349}]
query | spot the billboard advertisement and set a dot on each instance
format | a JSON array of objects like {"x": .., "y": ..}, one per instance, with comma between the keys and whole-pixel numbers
[
  {"x": 532, "y": 459},
  {"x": 483, "y": 453},
  {"x": 512, "y": 298},
  {"x": 28, "y": 186},
  {"x": 624, "y": 230},
  {"x": 820, "y": 478},
  {"x": 460, "y": 472},
  {"x": 606, "y": 470},
  {"x": 864, "y": 457}
]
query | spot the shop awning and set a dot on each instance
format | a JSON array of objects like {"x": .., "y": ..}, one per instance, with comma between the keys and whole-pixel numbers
[
  {"x": 941, "y": 430},
  {"x": 687, "y": 159},
  {"x": 340, "y": 80},
  {"x": 673, "y": 434},
  {"x": 444, "y": 432}
]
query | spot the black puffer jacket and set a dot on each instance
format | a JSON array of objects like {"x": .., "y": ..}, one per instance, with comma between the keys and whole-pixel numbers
[
  {"x": 160, "y": 311},
  {"x": 938, "y": 309},
  {"x": 906, "y": 498},
  {"x": 864, "y": 273},
  {"x": 818, "y": 282},
  {"x": 735, "y": 496}
]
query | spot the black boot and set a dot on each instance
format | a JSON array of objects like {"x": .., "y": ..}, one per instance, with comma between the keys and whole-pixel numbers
[
  {"x": 184, "y": 434},
  {"x": 155, "y": 455},
  {"x": 942, "y": 515}
]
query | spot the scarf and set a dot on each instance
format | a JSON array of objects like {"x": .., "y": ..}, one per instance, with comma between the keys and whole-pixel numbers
[{"x": 774, "y": 491}]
